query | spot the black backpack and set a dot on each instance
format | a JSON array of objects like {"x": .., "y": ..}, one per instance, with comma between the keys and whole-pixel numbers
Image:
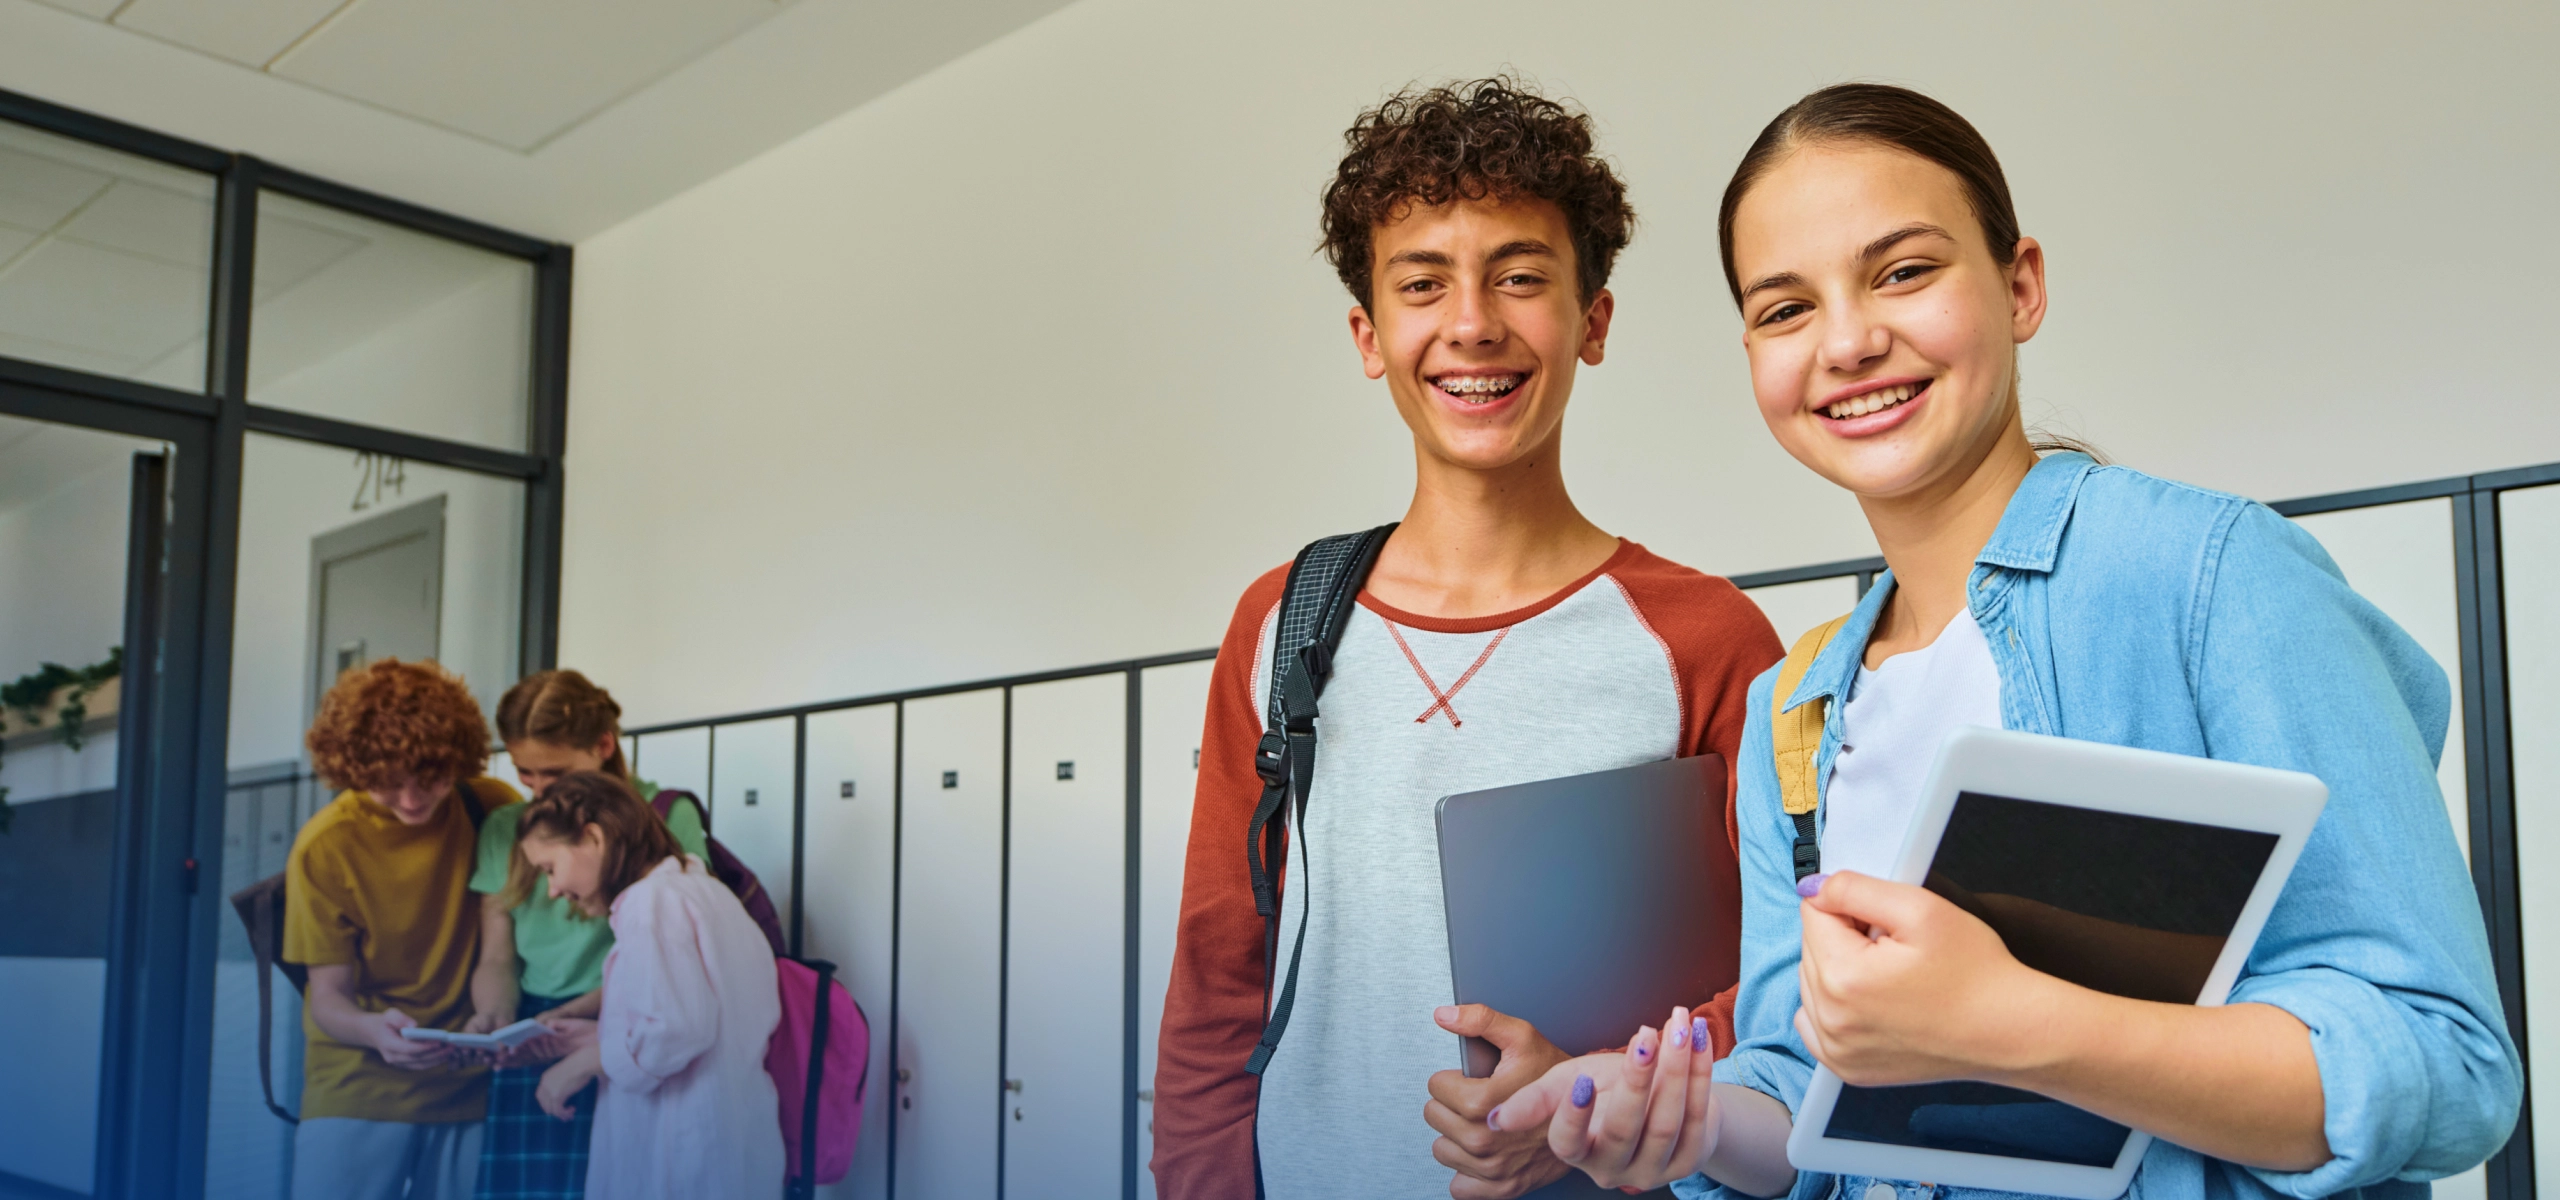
[
  {"x": 261, "y": 909},
  {"x": 1324, "y": 584}
]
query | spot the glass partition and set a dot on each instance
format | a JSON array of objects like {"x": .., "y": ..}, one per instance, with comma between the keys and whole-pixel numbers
[
  {"x": 106, "y": 260},
  {"x": 365, "y": 321},
  {"x": 66, "y": 501},
  {"x": 345, "y": 558},
  {"x": 2529, "y": 556}
]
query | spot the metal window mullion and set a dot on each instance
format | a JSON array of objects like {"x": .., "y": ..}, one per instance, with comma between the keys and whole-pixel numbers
[{"x": 2488, "y": 763}]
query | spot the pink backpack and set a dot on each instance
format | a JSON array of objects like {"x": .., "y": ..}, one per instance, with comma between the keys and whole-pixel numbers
[{"x": 819, "y": 1058}]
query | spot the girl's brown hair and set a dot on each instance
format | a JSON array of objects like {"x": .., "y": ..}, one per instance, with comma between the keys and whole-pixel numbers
[
  {"x": 390, "y": 721},
  {"x": 1887, "y": 116},
  {"x": 635, "y": 840},
  {"x": 563, "y": 708}
]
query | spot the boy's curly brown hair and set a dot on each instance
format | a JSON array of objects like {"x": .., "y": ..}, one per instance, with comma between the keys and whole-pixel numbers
[
  {"x": 390, "y": 720},
  {"x": 1485, "y": 138}
]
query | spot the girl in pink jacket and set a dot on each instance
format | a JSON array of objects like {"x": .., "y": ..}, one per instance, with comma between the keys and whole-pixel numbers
[{"x": 686, "y": 1109}]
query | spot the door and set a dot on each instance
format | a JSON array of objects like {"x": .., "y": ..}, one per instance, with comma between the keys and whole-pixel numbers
[
  {"x": 1066, "y": 939},
  {"x": 377, "y": 591},
  {"x": 751, "y": 802},
  {"x": 848, "y": 895},
  {"x": 950, "y": 924},
  {"x": 78, "y": 509},
  {"x": 2529, "y": 560},
  {"x": 1173, "y": 703}
]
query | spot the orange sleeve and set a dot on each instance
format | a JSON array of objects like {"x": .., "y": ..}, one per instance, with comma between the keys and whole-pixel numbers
[
  {"x": 1718, "y": 641},
  {"x": 1213, "y": 1009}
]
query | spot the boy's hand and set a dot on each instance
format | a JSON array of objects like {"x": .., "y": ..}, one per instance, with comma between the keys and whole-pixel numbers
[
  {"x": 482, "y": 1022},
  {"x": 401, "y": 1052},
  {"x": 1491, "y": 1163}
]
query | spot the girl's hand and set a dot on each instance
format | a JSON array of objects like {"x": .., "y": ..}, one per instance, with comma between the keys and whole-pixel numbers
[
  {"x": 1900, "y": 986},
  {"x": 483, "y": 1022},
  {"x": 564, "y": 1081},
  {"x": 1636, "y": 1120}
]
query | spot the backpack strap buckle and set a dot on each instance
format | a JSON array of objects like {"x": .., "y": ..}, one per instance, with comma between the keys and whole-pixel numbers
[{"x": 1271, "y": 759}]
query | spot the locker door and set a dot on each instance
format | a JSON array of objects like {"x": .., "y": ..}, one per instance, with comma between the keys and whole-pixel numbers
[
  {"x": 1066, "y": 941},
  {"x": 678, "y": 758},
  {"x": 1795, "y": 607},
  {"x": 848, "y": 892},
  {"x": 950, "y": 920},
  {"x": 1173, "y": 702},
  {"x": 751, "y": 809},
  {"x": 2529, "y": 557}
]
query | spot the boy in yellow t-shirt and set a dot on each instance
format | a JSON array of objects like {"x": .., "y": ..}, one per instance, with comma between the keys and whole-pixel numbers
[{"x": 378, "y": 906}]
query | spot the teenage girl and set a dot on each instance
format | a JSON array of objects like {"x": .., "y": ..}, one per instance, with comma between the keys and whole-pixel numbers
[
  {"x": 690, "y": 1002},
  {"x": 1870, "y": 243},
  {"x": 539, "y": 955}
]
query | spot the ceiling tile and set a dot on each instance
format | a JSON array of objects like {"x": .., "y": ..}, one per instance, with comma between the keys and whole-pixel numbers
[
  {"x": 244, "y": 31},
  {"x": 511, "y": 72},
  {"x": 290, "y": 251},
  {"x": 38, "y": 192},
  {"x": 13, "y": 240},
  {"x": 155, "y": 222},
  {"x": 104, "y": 301},
  {"x": 98, "y": 9}
]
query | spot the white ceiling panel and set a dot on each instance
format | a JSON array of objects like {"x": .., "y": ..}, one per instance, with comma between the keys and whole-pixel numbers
[
  {"x": 513, "y": 72},
  {"x": 13, "y": 240},
  {"x": 75, "y": 357},
  {"x": 37, "y": 192},
  {"x": 105, "y": 301},
  {"x": 290, "y": 251},
  {"x": 251, "y": 32},
  {"x": 97, "y": 9},
  {"x": 154, "y": 222},
  {"x": 36, "y": 458}
]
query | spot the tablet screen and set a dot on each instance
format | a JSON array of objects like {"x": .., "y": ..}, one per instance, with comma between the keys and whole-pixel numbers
[{"x": 2133, "y": 905}]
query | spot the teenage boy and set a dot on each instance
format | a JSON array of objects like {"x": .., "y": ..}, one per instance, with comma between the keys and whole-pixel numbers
[
  {"x": 1502, "y": 638},
  {"x": 378, "y": 906}
]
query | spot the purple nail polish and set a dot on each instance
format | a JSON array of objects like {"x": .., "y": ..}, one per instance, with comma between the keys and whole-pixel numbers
[
  {"x": 1493, "y": 1120},
  {"x": 1680, "y": 1036},
  {"x": 1698, "y": 1034},
  {"x": 1810, "y": 884},
  {"x": 1643, "y": 1052},
  {"x": 1583, "y": 1090}
]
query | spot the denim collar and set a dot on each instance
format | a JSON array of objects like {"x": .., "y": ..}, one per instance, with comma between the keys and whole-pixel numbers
[{"x": 2028, "y": 539}]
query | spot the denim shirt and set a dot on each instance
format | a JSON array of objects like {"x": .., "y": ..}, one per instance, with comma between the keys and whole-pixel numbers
[{"x": 2126, "y": 609}]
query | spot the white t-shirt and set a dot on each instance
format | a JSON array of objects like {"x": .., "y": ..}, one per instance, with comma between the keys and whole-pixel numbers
[{"x": 1897, "y": 715}]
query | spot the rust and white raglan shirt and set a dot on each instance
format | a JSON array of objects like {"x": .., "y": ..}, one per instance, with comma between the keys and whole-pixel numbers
[{"x": 1641, "y": 660}]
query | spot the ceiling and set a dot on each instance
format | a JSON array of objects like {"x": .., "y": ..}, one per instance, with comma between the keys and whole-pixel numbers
[{"x": 557, "y": 118}]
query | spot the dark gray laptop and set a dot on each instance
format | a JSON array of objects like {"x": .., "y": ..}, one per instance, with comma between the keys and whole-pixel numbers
[{"x": 1590, "y": 905}]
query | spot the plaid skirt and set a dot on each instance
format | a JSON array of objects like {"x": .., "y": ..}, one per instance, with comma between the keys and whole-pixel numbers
[{"x": 528, "y": 1154}]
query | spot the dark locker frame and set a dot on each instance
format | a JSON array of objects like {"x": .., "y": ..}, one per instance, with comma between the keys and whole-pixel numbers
[
  {"x": 2487, "y": 751},
  {"x": 156, "y": 1061}
]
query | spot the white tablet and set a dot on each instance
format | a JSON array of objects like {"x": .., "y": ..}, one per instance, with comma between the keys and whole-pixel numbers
[
  {"x": 498, "y": 1039},
  {"x": 2128, "y": 871}
]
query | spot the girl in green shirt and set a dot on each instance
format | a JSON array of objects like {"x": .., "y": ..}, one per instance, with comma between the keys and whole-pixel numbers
[{"x": 539, "y": 956}]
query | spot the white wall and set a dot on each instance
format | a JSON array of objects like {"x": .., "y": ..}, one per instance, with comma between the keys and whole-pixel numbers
[{"x": 1029, "y": 363}]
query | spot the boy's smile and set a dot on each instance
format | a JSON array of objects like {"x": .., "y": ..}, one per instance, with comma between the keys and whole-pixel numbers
[{"x": 1476, "y": 325}]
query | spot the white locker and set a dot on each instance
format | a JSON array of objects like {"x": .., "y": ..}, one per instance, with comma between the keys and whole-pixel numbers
[
  {"x": 678, "y": 758},
  {"x": 1173, "y": 703},
  {"x": 848, "y": 893},
  {"x": 2529, "y": 536},
  {"x": 1067, "y": 940},
  {"x": 2400, "y": 557},
  {"x": 751, "y": 806},
  {"x": 950, "y": 920},
  {"x": 1793, "y": 608}
]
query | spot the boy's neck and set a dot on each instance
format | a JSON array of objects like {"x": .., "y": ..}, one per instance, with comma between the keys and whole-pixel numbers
[{"x": 1479, "y": 542}]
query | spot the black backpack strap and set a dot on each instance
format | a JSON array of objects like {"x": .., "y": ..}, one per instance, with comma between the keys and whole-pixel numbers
[
  {"x": 261, "y": 909},
  {"x": 1324, "y": 584}
]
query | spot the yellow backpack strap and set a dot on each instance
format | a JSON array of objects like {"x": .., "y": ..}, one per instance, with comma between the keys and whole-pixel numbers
[{"x": 1795, "y": 741}]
